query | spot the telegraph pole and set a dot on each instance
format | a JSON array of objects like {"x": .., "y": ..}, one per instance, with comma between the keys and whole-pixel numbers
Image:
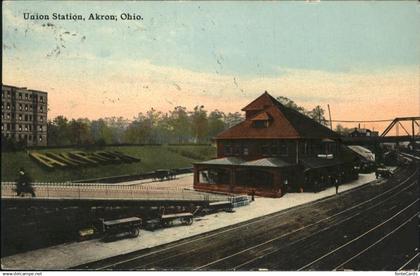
[{"x": 329, "y": 112}]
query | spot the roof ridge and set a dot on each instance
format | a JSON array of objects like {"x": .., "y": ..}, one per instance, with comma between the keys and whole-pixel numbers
[{"x": 259, "y": 97}]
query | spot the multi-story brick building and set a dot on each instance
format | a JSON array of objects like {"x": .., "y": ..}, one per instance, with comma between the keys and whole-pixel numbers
[{"x": 24, "y": 115}]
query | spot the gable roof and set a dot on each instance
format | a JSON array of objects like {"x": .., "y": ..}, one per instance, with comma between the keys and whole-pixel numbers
[{"x": 287, "y": 123}]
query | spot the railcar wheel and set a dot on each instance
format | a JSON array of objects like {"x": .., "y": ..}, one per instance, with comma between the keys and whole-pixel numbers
[
  {"x": 187, "y": 221},
  {"x": 135, "y": 232}
]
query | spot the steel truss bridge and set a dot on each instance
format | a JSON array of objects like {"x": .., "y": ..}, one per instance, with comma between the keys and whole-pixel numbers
[{"x": 402, "y": 133}]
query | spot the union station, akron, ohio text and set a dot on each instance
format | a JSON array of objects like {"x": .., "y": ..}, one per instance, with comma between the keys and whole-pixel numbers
[{"x": 77, "y": 17}]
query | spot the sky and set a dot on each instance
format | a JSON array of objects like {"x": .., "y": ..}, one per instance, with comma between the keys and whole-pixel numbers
[{"x": 361, "y": 58}]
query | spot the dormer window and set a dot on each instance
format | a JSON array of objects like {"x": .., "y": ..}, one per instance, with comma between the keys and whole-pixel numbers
[
  {"x": 260, "y": 124},
  {"x": 262, "y": 120}
]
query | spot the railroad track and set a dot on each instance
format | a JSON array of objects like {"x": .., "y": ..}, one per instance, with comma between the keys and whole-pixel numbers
[
  {"x": 270, "y": 255},
  {"x": 262, "y": 243}
]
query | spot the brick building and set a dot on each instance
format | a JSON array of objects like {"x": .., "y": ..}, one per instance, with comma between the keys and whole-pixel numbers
[
  {"x": 275, "y": 150},
  {"x": 24, "y": 115}
]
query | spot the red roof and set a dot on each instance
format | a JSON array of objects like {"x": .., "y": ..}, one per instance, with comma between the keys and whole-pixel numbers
[
  {"x": 259, "y": 103},
  {"x": 286, "y": 123},
  {"x": 262, "y": 117}
]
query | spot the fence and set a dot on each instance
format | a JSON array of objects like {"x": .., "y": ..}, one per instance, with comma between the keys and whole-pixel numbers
[
  {"x": 110, "y": 192},
  {"x": 132, "y": 177}
]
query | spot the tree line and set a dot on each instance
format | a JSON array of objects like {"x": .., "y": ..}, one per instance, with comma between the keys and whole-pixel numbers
[{"x": 178, "y": 126}]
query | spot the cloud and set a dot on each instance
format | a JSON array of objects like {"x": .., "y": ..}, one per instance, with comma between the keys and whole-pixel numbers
[{"x": 140, "y": 85}]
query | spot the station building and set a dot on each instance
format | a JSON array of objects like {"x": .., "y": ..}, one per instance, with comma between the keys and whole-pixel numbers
[
  {"x": 273, "y": 151},
  {"x": 24, "y": 115}
]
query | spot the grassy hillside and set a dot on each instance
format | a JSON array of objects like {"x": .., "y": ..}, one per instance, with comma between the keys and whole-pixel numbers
[{"x": 152, "y": 158}]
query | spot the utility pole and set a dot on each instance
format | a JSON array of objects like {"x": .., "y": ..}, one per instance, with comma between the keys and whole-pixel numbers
[{"x": 329, "y": 112}]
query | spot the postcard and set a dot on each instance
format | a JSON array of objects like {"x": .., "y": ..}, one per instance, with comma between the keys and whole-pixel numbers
[{"x": 210, "y": 136}]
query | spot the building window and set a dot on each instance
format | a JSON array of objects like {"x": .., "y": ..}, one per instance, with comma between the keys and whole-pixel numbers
[
  {"x": 41, "y": 99},
  {"x": 26, "y": 117},
  {"x": 20, "y": 107},
  {"x": 228, "y": 149},
  {"x": 8, "y": 126},
  {"x": 20, "y": 117},
  {"x": 40, "y": 138},
  {"x": 2, "y": 115},
  {"x": 13, "y": 116},
  {"x": 265, "y": 149},
  {"x": 26, "y": 107},
  {"x": 246, "y": 150},
  {"x": 260, "y": 124},
  {"x": 8, "y": 116},
  {"x": 30, "y": 138},
  {"x": 274, "y": 149},
  {"x": 30, "y": 117},
  {"x": 30, "y": 107},
  {"x": 20, "y": 96},
  {"x": 41, "y": 108},
  {"x": 7, "y": 106},
  {"x": 26, "y": 96},
  {"x": 2, "y": 127},
  {"x": 237, "y": 150},
  {"x": 283, "y": 149},
  {"x": 20, "y": 127},
  {"x": 41, "y": 118},
  {"x": 30, "y": 127},
  {"x": 40, "y": 128},
  {"x": 26, "y": 127}
]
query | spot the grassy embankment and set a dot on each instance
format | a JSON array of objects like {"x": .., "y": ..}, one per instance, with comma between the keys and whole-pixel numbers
[{"x": 152, "y": 158}]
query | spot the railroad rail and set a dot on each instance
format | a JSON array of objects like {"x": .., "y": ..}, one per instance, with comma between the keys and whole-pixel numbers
[{"x": 290, "y": 239}]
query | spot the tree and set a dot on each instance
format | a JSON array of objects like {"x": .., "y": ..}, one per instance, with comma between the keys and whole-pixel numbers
[
  {"x": 117, "y": 126},
  {"x": 100, "y": 131},
  {"x": 317, "y": 114},
  {"x": 58, "y": 131},
  {"x": 179, "y": 124},
  {"x": 342, "y": 130},
  {"x": 232, "y": 119},
  {"x": 199, "y": 123},
  {"x": 79, "y": 132},
  {"x": 291, "y": 104},
  {"x": 215, "y": 123},
  {"x": 139, "y": 131}
]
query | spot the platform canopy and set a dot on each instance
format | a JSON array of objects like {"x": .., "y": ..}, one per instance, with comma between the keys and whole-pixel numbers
[
  {"x": 318, "y": 163},
  {"x": 234, "y": 161},
  {"x": 267, "y": 162},
  {"x": 223, "y": 161}
]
